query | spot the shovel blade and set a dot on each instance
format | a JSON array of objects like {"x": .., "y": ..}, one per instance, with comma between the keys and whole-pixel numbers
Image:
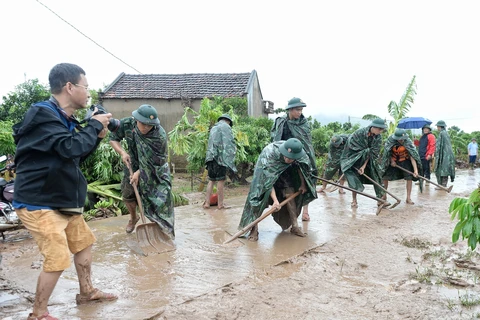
[
  {"x": 449, "y": 189},
  {"x": 152, "y": 239},
  {"x": 331, "y": 188},
  {"x": 220, "y": 237},
  {"x": 394, "y": 205}
]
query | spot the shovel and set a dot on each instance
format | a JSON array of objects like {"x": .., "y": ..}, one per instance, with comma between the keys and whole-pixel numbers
[
  {"x": 263, "y": 216},
  {"x": 380, "y": 186},
  {"x": 359, "y": 192},
  {"x": 149, "y": 235},
  {"x": 440, "y": 186}
]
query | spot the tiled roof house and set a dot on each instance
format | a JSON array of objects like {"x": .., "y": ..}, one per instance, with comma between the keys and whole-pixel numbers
[{"x": 169, "y": 93}]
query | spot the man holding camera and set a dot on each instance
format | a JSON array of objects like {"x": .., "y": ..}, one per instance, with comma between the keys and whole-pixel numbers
[
  {"x": 50, "y": 189},
  {"x": 147, "y": 156}
]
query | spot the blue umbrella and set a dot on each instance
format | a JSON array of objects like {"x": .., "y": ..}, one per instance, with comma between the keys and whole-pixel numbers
[{"x": 413, "y": 122}]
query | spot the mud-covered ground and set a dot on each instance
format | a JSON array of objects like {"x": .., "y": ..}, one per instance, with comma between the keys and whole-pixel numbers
[{"x": 400, "y": 264}]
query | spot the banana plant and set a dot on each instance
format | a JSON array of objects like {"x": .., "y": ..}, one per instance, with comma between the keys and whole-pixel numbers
[{"x": 399, "y": 110}]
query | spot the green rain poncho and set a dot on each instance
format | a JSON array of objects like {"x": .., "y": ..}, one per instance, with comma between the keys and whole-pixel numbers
[
  {"x": 297, "y": 128},
  {"x": 269, "y": 167},
  {"x": 155, "y": 185},
  {"x": 333, "y": 159},
  {"x": 361, "y": 147},
  {"x": 444, "y": 157},
  {"x": 412, "y": 152},
  {"x": 221, "y": 146}
]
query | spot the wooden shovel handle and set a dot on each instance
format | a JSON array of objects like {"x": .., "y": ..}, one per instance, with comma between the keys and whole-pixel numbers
[
  {"x": 380, "y": 186},
  {"x": 263, "y": 216},
  {"x": 137, "y": 195},
  {"x": 419, "y": 176},
  {"x": 351, "y": 189}
]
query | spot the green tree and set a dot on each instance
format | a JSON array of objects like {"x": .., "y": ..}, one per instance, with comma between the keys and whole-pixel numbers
[
  {"x": 192, "y": 138},
  {"x": 334, "y": 126},
  {"x": 17, "y": 102},
  {"x": 7, "y": 145}
]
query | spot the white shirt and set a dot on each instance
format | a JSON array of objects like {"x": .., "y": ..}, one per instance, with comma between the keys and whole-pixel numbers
[{"x": 472, "y": 149}]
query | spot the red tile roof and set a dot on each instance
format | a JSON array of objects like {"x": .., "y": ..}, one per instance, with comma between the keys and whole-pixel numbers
[{"x": 171, "y": 86}]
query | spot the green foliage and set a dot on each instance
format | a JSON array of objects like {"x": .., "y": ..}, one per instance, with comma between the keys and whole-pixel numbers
[
  {"x": 258, "y": 132},
  {"x": 192, "y": 138},
  {"x": 321, "y": 140},
  {"x": 459, "y": 141},
  {"x": 7, "y": 145},
  {"x": 370, "y": 117},
  {"x": 468, "y": 214},
  {"x": 16, "y": 103},
  {"x": 104, "y": 164}
]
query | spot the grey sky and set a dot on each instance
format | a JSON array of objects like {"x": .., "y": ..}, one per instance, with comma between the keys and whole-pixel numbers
[{"x": 341, "y": 57}]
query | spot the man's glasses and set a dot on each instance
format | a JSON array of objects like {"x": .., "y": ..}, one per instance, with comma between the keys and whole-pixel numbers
[{"x": 79, "y": 85}]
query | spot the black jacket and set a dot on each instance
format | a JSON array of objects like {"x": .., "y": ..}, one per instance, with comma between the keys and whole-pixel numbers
[{"x": 48, "y": 155}]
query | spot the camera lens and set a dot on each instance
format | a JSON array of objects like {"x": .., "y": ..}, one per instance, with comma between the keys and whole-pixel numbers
[{"x": 113, "y": 125}]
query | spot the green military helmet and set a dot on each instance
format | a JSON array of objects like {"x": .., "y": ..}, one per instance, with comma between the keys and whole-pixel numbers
[
  {"x": 146, "y": 114},
  {"x": 427, "y": 126},
  {"x": 295, "y": 102},
  {"x": 400, "y": 134},
  {"x": 441, "y": 123},
  {"x": 226, "y": 116},
  {"x": 292, "y": 148},
  {"x": 378, "y": 123},
  {"x": 337, "y": 140}
]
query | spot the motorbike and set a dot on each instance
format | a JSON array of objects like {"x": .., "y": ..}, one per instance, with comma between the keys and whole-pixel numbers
[{"x": 8, "y": 218}]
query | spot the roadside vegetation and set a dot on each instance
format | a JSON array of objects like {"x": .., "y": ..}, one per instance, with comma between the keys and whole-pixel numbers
[{"x": 103, "y": 169}]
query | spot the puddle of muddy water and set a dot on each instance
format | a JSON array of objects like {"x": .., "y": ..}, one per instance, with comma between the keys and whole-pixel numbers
[{"x": 201, "y": 263}]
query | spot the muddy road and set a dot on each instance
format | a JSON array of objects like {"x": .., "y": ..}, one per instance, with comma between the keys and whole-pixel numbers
[{"x": 353, "y": 264}]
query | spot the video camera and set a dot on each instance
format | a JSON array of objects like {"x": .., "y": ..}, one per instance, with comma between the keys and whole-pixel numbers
[{"x": 113, "y": 123}]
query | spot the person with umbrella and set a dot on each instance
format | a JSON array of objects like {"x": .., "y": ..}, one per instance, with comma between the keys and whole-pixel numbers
[
  {"x": 444, "y": 156},
  {"x": 426, "y": 150}
]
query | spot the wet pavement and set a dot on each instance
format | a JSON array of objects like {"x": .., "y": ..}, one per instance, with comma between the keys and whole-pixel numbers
[{"x": 201, "y": 263}]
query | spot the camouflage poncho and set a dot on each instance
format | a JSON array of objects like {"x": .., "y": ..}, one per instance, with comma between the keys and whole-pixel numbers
[
  {"x": 270, "y": 165},
  {"x": 333, "y": 159},
  {"x": 221, "y": 146},
  {"x": 444, "y": 157},
  {"x": 300, "y": 129},
  {"x": 125, "y": 131},
  {"x": 361, "y": 147},
  {"x": 155, "y": 185},
  {"x": 412, "y": 152}
]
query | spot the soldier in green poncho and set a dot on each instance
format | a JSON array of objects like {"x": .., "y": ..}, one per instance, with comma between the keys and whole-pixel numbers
[
  {"x": 147, "y": 145},
  {"x": 362, "y": 152},
  {"x": 444, "y": 156},
  {"x": 282, "y": 168},
  {"x": 332, "y": 166},
  {"x": 220, "y": 157},
  {"x": 399, "y": 151},
  {"x": 295, "y": 125}
]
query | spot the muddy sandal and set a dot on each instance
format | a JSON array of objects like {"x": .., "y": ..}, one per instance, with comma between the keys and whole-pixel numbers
[
  {"x": 95, "y": 296},
  {"x": 45, "y": 316}
]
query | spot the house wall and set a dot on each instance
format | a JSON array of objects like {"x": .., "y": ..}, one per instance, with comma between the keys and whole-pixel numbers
[{"x": 255, "y": 100}]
